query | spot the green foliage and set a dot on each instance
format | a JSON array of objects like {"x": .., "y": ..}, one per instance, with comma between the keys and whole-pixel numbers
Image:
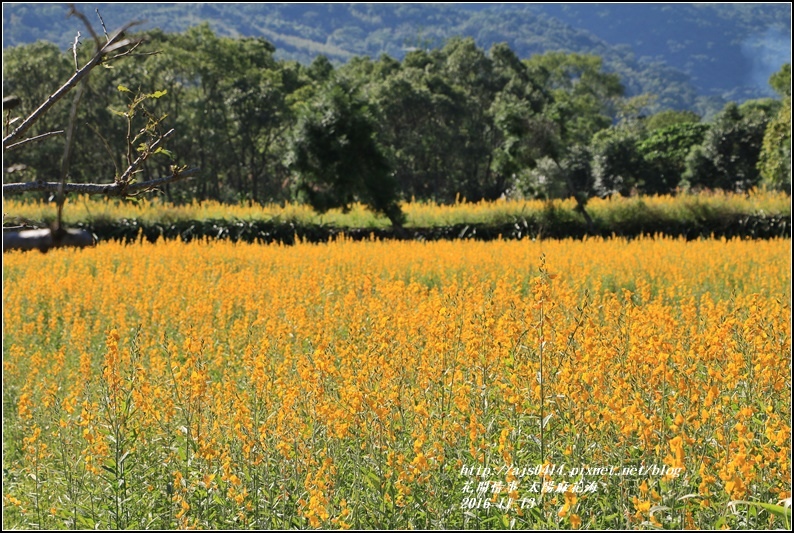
[
  {"x": 780, "y": 81},
  {"x": 337, "y": 158},
  {"x": 670, "y": 117},
  {"x": 454, "y": 122},
  {"x": 320, "y": 70},
  {"x": 582, "y": 99},
  {"x": 765, "y": 107},
  {"x": 774, "y": 162},
  {"x": 728, "y": 157},
  {"x": 619, "y": 166},
  {"x": 418, "y": 116},
  {"x": 584, "y": 95},
  {"x": 572, "y": 175},
  {"x": 664, "y": 154}
]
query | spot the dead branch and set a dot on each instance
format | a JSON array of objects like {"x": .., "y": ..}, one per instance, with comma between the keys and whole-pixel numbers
[
  {"x": 73, "y": 12},
  {"x": 113, "y": 44},
  {"x": 110, "y": 189},
  {"x": 32, "y": 139}
]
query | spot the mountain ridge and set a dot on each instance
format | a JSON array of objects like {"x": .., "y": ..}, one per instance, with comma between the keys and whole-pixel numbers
[{"x": 737, "y": 48}]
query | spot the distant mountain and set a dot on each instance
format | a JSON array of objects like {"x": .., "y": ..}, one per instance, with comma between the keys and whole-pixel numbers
[
  {"x": 691, "y": 55},
  {"x": 727, "y": 49}
]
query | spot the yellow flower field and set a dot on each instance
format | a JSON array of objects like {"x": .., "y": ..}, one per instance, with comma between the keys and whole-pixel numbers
[
  {"x": 418, "y": 214},
  {"x": 521, "y": 384}
]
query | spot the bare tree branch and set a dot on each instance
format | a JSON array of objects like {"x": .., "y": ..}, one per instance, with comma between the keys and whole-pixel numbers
[
  {"x": 73, "y": 12},
  {"x": 56, "y": 236},
  {"x": 74, "y": 50},
  {"x": 110, "y": 189},
  {"x": 32, "y": 139},
  {"x": 129, "y": 53},
  {"x": 113, "y": 44},
  {"x": 67, "y": 152},
  {"x": 102, "y": 22}
]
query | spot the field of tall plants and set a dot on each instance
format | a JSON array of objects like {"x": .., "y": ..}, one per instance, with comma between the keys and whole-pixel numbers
[
  {"x": 683, "y": 207},
  {"x": 598, "y": 383}
]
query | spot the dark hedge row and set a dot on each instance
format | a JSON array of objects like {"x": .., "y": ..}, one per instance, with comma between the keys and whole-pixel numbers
[{"x": 743, "y": 226}]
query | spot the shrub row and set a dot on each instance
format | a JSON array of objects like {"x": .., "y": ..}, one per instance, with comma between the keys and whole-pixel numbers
[{"x": 550, "y": 226}]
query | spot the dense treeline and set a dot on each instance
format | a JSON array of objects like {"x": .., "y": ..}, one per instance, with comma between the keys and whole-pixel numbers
[{"x": 441, "y": 124}]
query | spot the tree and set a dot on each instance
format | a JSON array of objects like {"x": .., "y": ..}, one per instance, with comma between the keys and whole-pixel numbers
[
  {"x": 670, "y": 117},
  {"x": 583, "y": 98},
  {"x": 664, "y": 153},
  {"x": 619, "y": 166},
  {"x": 728, "y": 157},
  {"x": 554, "y": 179},
  {"x": 140, "y": 146},
  {"x": 421, "y": 125},
  {"x": 32, "y": 73},
  {"x": 516, "y": 120},
  {"x": 230, "y": 97},
  {"x": 337, "y": 158},
  {"x": 412, "y": 120},
  {"x": 774, "y": 162},
  {"x": 780, "y": 81},
  {"x": 454, "y": 122}
]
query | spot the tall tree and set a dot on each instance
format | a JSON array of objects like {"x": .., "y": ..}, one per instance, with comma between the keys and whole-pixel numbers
[
  {"x": 728, "y": 157},
  {"x": 583, "y": 102},
  {"x": 774, "y": 162},
  {"x": 33, "y": 73},
  {"x": 664, "y": 153},
  {"x": 619, "y": 166},
  {"x": 421, "y": 125},
  {"x": 337, "y": 158},
  {"x": 584, "y": 95}
]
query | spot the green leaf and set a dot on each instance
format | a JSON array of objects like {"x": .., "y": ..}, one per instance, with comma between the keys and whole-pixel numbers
[
  {"x": 158, "y": 94},
  {"x": 123, "y": 89},
  {"x": 165, "y": 152},
  {"x": 777, "y": 510}
]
